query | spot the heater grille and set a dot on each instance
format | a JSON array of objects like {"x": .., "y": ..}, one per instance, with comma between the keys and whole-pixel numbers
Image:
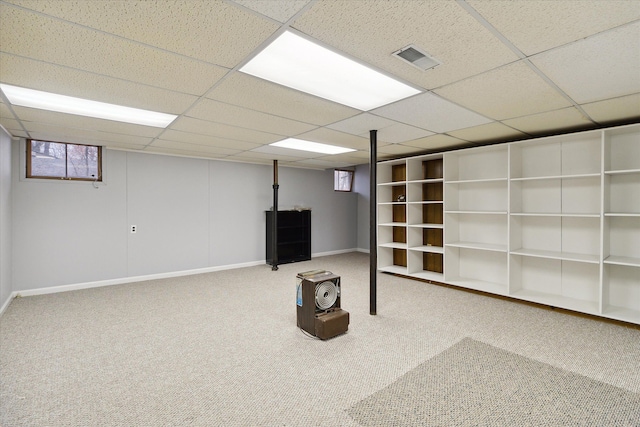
[{"x": 417, "y": 57}]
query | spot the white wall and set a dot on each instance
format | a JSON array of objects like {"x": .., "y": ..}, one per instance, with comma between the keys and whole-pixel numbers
[
  {"x": 6, "y": 287},
  {"x": 189, "y": 214},
  {"x": 361, "y": 187}
]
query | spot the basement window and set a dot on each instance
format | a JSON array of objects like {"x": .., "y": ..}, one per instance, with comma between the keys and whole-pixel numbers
[
  {"x": 59, "y": 160},
  {"x": 342, "y": 180}
]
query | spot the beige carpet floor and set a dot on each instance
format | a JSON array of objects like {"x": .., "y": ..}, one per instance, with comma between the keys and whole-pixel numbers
[
  {"x": 223, "y": 349},
  {"x": 475, "y": 384}
]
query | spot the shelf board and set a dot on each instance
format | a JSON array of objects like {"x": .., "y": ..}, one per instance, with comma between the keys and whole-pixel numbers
[
  {"x": 471, "y": 181},
  {"x": 393, "y": 224},
  {"x": 428, "y": 275},
  {"x": 538, "y": 178},
  {"x": 478, "y": 285},
  {"x": 575, "y": 215},
  {"x": 391, "y": 183},
  {"x": 622, "y": 172},
  {"x": 425, "y": 225},
  {"x": 427, "y": 202},
  {"x": 477, "y": 212},
  {"x": 627, "y": 214},
  {"x": 426, "y": 248},
  {"x": 622, "y": 313},
  {"x": 622, "y": 260},
  {"x": 392, "y": 203},
  {"x": 425, "y": 181},
  {"x": 566, "y": 256},
  {"x": 394, "y": 245},
  {"x": 396, "y": 269},
  {"x": 559, "y": 301},
  {"x": 479, "y": 246}
]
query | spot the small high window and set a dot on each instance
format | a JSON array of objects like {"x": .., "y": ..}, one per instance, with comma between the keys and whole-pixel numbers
[
  {"x": 342, "y": 180},
  {"x": 59, "y": 160}
]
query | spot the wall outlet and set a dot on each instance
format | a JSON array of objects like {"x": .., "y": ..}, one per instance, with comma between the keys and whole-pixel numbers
[{"x": 133, "y": 229}]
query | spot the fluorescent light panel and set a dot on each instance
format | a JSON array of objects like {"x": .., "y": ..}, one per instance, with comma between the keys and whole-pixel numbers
[
  {"x": 315, "y": 147},
  {"x": 295, "y": 62},
  {"x": 84, "y": 107}
]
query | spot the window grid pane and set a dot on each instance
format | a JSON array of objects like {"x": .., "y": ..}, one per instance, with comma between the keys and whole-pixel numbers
[
  {"x": 48, "y": 159},
  {"x": 342, "y": 180},
  {"x": 63, "y": 161}
]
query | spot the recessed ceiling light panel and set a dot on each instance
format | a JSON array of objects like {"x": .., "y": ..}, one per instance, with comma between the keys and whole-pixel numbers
[
  {"x": 314, "y": 147},
  {"x": 417, "y": 57},
  {"x": 83, "y": 107},
  {"x": 295, "y": 62}
]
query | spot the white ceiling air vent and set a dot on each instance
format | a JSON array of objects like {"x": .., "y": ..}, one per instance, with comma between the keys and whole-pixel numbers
[{"x": 417, "y": 57}]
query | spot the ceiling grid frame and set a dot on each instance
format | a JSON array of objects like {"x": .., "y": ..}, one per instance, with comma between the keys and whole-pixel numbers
[{"x": 317, "y": 16}]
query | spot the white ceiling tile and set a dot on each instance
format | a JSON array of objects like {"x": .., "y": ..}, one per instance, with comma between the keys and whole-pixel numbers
[
  {"x": 489, "y": 132},
  {"x": 372, "y": 30},
  {"x": 18, "y": 133},
  {"x": 611, "y": 110},
  {"x": 280, "y": 10},
  {"x": 188, "y": 124},
  {"x": 430, "y": 112},
  {"x": 333, "y": 137},
  {"x": 183, "y": 153},
  {"x": 353, "y": 157},
  {"x": 248, "y": 159},
  {"x": 207, "y": 140},
  {"x": 48, "y": 77},
  {"x": 286, "y": 152},
  {"x": 212, "y": 31},
  {"x": 84, "y": 136},
  {"x": 193, "y": 148},
  {"x": 361, "y": 124},
  {"x": 255, "y": 155},
  {"x": 586, "y": 77},
  {"x": 10, "y": 124},
  {"x": 510, "y": 91},
  {"x": 31, "y": 116},
  {"x": 538, "y": 25},
  {"x": 219, "y": 112},
  {"x": 544, "y": 123},
  {"x": 435, "y": 142},
  {"x": 51, "y": 40},
  {"x": 120, "y": 146},
  {"x": 260, "y": 95},
  {"x": 400, "y": 132},
  {"x": 78, "y": 136},
  {"x": 399, "y": 150},
  {"x": 7, "y": 119},
  {"x": 323, "y": 164},
  {"x": 388, "y": 130}
]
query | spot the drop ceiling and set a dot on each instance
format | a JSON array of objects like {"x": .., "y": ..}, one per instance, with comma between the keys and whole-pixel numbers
[{"x": 509, "y": 71}]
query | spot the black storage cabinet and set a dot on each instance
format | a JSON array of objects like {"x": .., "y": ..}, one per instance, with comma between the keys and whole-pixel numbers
[{"x": 294, "y": 236}]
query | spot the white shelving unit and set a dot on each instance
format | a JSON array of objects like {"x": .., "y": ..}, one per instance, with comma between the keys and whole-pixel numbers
[
  {"x": 553, "y": 220},
  {"x": 476, "y": 226},
  {"x": 621, "y": 224},
  {"x": 410, "y": 225}
]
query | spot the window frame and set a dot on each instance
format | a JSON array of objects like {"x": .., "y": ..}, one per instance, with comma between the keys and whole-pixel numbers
[
  {"x": 351, "y": 172},
  {"x": 29, "y": 159}
]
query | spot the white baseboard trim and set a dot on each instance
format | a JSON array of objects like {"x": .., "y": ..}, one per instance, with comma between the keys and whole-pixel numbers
[
  {"x": 7, "y": 302},
  {"x": 364, "y": 251},
  {"x": 133, "y": 279},
  {"x": 338, "y": 252}
]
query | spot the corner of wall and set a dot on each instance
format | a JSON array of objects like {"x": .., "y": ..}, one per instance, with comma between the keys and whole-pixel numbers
[{"x": 6, "y": 230}]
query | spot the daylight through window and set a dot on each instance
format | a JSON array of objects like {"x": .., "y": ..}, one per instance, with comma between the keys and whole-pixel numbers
[
  {"x": 342, "y": 180},
  {"x": 58, "y": 160}
]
